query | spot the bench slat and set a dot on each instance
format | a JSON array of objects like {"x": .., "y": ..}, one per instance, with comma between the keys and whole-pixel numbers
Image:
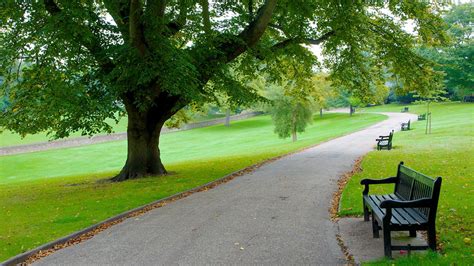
[{"x": 400, "y": 216}]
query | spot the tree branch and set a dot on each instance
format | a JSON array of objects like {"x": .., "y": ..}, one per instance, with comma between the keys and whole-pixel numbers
[
  {"x": 205, "y": 16},
  {"x": 251, "y": 34},
  {"x": 290, "y": 41},
  {"x": 250, "y": 7},
  {"x": 176, "y": 25},
  {"x": 321, "y": 39},
  {"x": 156, "y": 8},
  {"x": 119, "y": 11},
  {"x": 154, "y": 18},
  {"x": 137, "y": 38},
  {"x": 84, "y": 35}
]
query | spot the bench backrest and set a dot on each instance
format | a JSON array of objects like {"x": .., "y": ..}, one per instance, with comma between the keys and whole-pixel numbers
[{"x": 413, "y": 185}]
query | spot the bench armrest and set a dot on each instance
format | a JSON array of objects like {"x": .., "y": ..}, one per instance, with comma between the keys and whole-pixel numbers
[
  {"x": 368, "y": 182},
  {"x": 419, "y": 203}
]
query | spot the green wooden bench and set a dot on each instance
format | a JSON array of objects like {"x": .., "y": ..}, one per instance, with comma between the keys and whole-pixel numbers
[
  {"x": 422, "y": 117},
  {"x": 411, "y": 207},
  {"x": 405, "y": 109},
  {"x": 385, "y": 142},
  {"x": 406, "y": 126}
]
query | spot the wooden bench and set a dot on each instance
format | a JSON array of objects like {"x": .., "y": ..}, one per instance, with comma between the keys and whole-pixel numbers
[
  {"x": 385, "y": 142},
  {"x": 411, "y": 207},
  {"x": 405, "y": 109},
  {"x": 406, "y": 126},
  {"x": 422, "y": 117}
]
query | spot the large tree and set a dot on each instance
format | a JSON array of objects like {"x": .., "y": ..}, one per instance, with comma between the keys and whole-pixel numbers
[{"x": 87, "y": 60}]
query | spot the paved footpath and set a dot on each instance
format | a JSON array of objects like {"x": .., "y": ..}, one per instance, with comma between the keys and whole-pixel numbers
[{"x": 277, "y": 214}]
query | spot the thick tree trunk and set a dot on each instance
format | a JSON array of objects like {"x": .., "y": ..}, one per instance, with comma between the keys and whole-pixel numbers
[{"x": 143, "y": 154}]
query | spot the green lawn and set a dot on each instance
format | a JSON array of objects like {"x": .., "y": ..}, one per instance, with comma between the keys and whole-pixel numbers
[
  {"x": 46, "y": 195},
  {"x": 448, "y": 152}
]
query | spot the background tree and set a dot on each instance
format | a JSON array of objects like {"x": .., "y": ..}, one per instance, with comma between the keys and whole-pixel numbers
[
  {"x": 91, "y": 60},
  {"x": 321, "y": 91},
  {"x": 457, "y": 59},
  {"x": 290, "y": 115}
]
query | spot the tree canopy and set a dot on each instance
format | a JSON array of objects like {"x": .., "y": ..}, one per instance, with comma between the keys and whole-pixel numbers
[
  {"x": 69, "y": 65},
  {"x": 456, "y": 60}
]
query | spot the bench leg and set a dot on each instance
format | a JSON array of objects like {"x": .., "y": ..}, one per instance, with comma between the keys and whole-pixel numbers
[
  {"x": 432, "y": 238},
  {"x": 375, "y": 227},
  {"x": 366, "y": 211},
  {"x": 412, "y": 233},
  {"x": 387, "y": 242}
]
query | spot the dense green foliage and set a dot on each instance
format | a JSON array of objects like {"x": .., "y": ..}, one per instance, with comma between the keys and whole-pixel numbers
[
  {"x": 290, "y": 116},
  {"x": 457, "y": 60},
  {"x": 454, "y": 59},
  {"x": 447, "y": 152},
  {"x": 69, "y": 65},
  {"x": 36, "y": 207}
]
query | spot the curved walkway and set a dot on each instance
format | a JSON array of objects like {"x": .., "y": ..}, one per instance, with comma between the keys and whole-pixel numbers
[{"x": 277, "y": 214}]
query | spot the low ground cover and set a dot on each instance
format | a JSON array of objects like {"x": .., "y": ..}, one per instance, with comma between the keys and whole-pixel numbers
[
  {"x": 46, "y": 195},
  {"x": 447, "y": 152}
]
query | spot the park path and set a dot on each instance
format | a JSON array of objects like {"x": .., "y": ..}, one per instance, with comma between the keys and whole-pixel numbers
[{"x": 277, "y": 214}]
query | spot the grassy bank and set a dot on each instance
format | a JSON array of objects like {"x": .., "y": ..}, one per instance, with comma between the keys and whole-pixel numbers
[
  {"x": 46, "y": 195},
  {"x": 447, "y": 152}
]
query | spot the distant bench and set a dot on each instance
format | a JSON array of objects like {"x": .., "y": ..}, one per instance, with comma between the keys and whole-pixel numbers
[
  {"x": 412, "y": 207},
  {"x": 385, "y": 142},
  {"x": 406, "y": 126},
  {"x": 405, "y": 109},
  {"x": 422, "y": 117}
]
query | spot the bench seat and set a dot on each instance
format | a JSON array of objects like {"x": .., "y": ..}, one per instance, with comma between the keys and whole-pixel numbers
[{"x": 404, "y": 218}]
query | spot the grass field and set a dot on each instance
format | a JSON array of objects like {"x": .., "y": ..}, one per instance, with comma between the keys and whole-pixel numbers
[
  {"x": 447, "y": 152},
  {"x": 46, "y": 195}
]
